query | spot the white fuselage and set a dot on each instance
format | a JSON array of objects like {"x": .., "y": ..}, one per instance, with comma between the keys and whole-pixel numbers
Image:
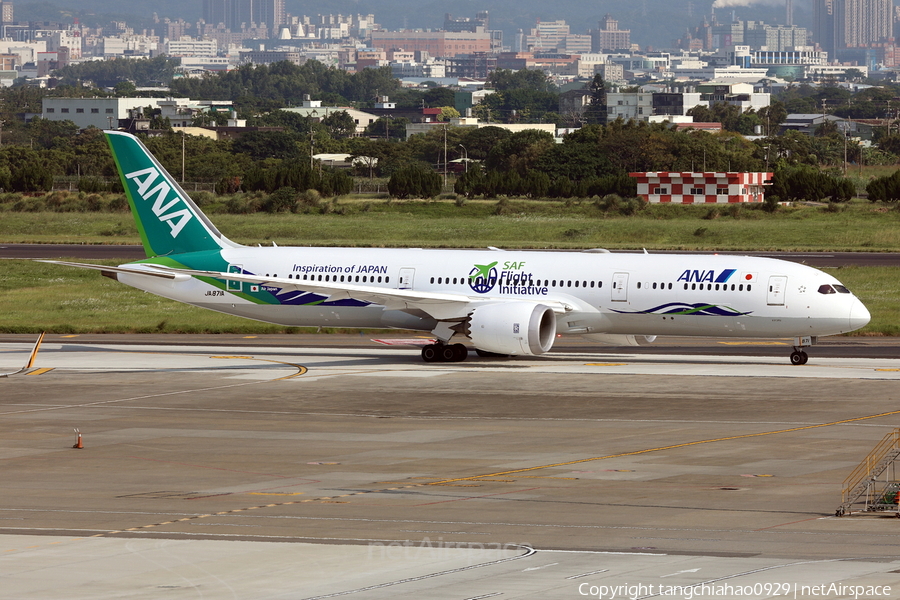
[{"x": 605, "y": 293}]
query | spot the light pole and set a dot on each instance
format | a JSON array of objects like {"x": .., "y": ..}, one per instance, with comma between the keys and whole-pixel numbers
[
  {"x": 465, "y": 157},
  {"x": 445, "y": 155}
]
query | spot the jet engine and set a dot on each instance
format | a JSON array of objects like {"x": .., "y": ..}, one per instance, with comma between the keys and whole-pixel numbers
[{"x": 512, "y": 328}]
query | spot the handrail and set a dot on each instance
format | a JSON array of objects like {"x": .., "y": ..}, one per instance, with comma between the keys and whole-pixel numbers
[{"x": 890, "y": 442}]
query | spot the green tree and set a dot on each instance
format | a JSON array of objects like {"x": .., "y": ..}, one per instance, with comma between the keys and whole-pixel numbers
[
  {"x": 596, "y": 109},
  {"x": 415, "y": 181},
  {"x": 340, "y": 124}
]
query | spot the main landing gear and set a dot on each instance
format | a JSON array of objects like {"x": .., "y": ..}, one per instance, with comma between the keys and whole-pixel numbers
[{"x": 444, "y": 353}]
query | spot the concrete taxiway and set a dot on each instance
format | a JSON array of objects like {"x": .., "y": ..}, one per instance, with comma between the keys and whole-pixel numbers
[{"x": 322, "y": 469}]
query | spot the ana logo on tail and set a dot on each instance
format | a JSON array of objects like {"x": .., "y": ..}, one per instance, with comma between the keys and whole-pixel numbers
[{"x": 162, "y": 205}]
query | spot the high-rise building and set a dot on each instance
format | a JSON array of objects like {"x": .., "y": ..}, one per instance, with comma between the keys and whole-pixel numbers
[
  {"x": 609, "y": 37},
  {"x": 236, "y": 14},
  {"x": 843, "y": 24},
  {"x": 6, "y": 13}
]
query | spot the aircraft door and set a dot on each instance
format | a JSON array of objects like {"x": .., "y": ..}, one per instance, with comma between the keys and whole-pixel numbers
[
  {"x": 235, "y": 286},
  {"x": 407, "y": 275},
  {"x": 775, "y": 295},
  {"x": 620, "y": 287}
]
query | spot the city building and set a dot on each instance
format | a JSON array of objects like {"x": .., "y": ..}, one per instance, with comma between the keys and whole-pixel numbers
[
  {"x": 477, "y": 65},
  {"x": 608, "y": 36},
  {"x": 701, "y": 188},
  {"x": 103, "y": 113},
  {"x": 237, "y": 14},
  {"x": 742, "y": 95},
  {"x": 416, "y": 128},
  {"x": 265, "y": 57},
  {"x": 843, "y": 24},
  {"x": 314, "y": 110},
  {"x": 187, "y": 46},
  {"x": 435, "y": 43}
]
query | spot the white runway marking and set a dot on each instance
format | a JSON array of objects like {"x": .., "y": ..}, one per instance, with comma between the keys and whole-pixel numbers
[{"x": 260, "y": 364}]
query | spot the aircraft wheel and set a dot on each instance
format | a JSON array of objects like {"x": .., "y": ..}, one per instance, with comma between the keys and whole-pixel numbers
[
  {"x": 805, "y": 357},
  {"x": 430, "y": 353},
  {"x": 797, "y": 358},
  {"x": 461, "y": 352},
  {"x": 448, "y": 353}
]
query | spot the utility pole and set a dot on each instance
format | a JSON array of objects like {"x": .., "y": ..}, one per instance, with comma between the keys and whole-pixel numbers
[
  {"x": 445, "y": 155},
  {"x": 182, "y": 155}
]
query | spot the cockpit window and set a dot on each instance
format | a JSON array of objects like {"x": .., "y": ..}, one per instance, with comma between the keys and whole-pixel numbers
[
  {"x": 841, "y": 289},
  {"x": 826, "y": 289}
]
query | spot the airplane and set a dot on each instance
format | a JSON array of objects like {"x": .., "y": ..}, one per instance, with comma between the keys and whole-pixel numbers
[{"x": 501, "y": 302}]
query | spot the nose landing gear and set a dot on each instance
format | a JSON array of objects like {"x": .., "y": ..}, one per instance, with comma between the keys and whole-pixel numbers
[{"x": 799, "y": 357}]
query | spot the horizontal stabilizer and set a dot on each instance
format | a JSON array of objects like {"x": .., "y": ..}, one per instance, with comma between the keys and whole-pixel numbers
[{"x": 148, "y": 270}]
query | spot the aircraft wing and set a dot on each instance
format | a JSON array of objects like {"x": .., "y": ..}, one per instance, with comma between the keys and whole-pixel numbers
[{"x": 440, "y": 305}]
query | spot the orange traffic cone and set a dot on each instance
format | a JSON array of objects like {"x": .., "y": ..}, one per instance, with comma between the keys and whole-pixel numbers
[{"x": 78, "y": 443}]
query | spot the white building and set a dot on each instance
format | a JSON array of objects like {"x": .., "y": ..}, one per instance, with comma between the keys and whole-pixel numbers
[
  {"x": 135, "y": 45},
  {"x": 104, "y": 113},
  {"x": 27, "y": 51},
  {"x": 415, "y": 128},
  {"x": 630, "y": 105},
  {"x": 188, "y": 46},
  {"x": 193, "y": 64},
  {"x": 729, "y": 73},
  {"x": 315, "y": 110},
  {"x": 70, "y": 39}
]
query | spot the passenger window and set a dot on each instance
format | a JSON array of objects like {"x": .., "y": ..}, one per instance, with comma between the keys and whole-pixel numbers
[
  {"x": 693, "y": 286},
  {"x": 826, "y": 289},
  {"x": 387, "y": 279},
  {"x": 357, "y": 279},
  {"x": 554, "y": 283},
  {"x": 639, "y": 285},
  {"x": 717, "y": 287},
  {"x": 670, "y": 286},
  {"x": 685, "y": 286},
  {"x": 568, "y": 284},
  {"x": 379, "y": 279},
  {"x": 592, "y": 284},
  {"x": 342, "y": 279},
  {"x": 432, "y": 280},
  {"x": 654, "y": 285},
  {"x": 576, "y": 284},
  {"x": 599, "y": 284},
  {"x": 748, "y": 287}
]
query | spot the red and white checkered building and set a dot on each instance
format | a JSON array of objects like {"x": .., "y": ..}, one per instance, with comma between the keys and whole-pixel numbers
[{"x": 701, "y": 188}]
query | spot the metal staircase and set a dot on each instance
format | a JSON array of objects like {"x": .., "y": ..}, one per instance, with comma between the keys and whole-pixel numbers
[{"x": 863, "y": 486}]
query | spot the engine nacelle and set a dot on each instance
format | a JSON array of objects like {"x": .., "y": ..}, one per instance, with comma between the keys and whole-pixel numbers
[{"x": 513, "y": 328}]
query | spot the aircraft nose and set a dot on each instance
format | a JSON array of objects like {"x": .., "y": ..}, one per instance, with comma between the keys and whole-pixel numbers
[{"x": 859, "y": 315}]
